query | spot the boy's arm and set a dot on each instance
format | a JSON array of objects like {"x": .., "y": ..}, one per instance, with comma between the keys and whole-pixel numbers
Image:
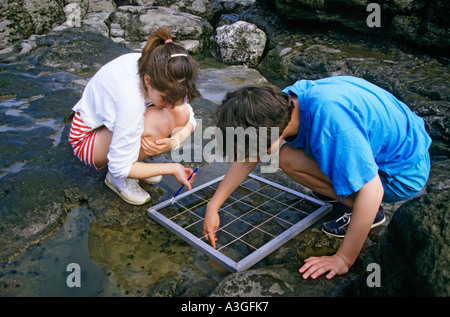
[
  {"x": 236, "y": 174},
  {"x": 364, "y": 210}
]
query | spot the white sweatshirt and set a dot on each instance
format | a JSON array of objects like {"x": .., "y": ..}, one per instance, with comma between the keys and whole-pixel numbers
[{"x": 114, "y": 97}]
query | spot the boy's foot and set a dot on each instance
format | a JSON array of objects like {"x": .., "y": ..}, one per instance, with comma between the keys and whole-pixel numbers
[
  {"x": 128, "y": 189},
  {"x": 338, "y": 227},
  {"x": 152, "y": 180},
  {"x": 323, "y": 198}
]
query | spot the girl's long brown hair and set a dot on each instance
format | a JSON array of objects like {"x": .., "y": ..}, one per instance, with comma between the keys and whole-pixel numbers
[{"x": 174, "y": 76}]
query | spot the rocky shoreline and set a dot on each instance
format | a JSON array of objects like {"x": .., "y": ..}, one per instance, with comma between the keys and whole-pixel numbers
[{"x": 42, "y": 76}]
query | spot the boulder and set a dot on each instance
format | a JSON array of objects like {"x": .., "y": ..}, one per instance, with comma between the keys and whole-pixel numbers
[
  {"x": 132, "y": 25},
  {"x": 239, "y": 43},
  {"x": 414, "y": 255},
  {"x": 281, "y": 281},
  {"x": 20, "y": 19},
  {"x": 91, "y": 23}
]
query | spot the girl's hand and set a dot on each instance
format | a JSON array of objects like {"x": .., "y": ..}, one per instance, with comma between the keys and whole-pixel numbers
[
  {"x": 182, "y": 173},
  {"x": 156, "y": 147},
  {"x": 316, "y": 266}
]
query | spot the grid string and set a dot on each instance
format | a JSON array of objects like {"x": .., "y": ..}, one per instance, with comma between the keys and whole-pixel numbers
[
  {"x": 271, "y": 217},
  {"x": 236, "y": 200}
]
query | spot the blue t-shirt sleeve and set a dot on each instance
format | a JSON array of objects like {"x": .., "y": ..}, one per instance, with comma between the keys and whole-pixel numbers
[
  {"x": 299, "y": 87},
  {"x": 341, "y": 147}
]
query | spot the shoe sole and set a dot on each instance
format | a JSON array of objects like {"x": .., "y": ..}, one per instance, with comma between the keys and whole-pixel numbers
[
  {"x": 125, "y": 199},
  {"x": 343, "y": 235}
]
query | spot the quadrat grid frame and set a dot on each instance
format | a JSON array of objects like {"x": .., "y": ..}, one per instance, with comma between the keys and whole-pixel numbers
[{"x": 257, "y": 218}]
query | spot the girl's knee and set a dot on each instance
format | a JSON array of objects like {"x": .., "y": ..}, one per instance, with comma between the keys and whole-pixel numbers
[
  {"x": 179, "y": 116},
  {"x": 157, "y": 123}
]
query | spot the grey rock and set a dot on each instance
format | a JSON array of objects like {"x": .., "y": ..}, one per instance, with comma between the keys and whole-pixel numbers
[
  {"x": 239, "y": 43},
  {"x": 281, "y": 281},
  {"x": 132, "y": 25}
]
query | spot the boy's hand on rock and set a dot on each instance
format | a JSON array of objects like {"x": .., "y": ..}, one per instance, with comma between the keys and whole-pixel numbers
[{"x": 316, "y": 266}]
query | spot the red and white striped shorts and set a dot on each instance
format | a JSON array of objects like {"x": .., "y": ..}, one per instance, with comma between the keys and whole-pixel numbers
[{"x": 81, "y": 138}]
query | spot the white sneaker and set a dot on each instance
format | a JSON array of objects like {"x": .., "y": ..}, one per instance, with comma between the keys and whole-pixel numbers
[
  {"x": 152, "y": 180},
  {"x": 128, "y": 189}
]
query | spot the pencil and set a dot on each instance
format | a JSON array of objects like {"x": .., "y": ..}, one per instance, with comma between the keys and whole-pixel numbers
[{"x": 173, "y": 198}]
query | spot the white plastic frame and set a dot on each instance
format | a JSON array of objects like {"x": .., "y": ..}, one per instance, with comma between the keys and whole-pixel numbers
[{"x": 258, "y": 254}]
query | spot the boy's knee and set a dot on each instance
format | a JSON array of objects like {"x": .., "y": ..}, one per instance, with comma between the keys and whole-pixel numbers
[
  {"x": 284, "y": 157},
  {"x": 291, "y": 158}
]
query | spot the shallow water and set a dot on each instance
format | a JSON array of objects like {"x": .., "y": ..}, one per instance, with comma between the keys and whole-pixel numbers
[
  {"x": 42, "y": 270},
  {"x": 114, "y": 260},
  {"x": 16, "y": 108}
]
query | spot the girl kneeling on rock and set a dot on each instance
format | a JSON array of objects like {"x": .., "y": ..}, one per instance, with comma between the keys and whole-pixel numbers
[{"x": 129, "y": 110}]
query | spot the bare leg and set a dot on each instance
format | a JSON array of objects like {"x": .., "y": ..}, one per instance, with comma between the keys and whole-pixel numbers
[
  {"x": 179, "y": 116},
  {"x": 305, "y": 170},
  {"x": 101, "y": 146},
  {"x": 162, "y": 123},
  {"x": 158, "y": 123}
]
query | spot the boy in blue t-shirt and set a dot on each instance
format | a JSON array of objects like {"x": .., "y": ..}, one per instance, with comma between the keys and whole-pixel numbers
[{"x": 346, "y": 139}]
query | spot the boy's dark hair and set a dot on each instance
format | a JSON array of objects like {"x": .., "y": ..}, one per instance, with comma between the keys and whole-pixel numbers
[
  {"x": 175, "y": 76},
  {"x": 254, "y": 106}
]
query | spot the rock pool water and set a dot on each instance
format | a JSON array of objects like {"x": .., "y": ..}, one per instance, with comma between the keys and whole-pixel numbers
[
  {"x": 114, "y": 260},
  {"x": 42, "y": 270}
]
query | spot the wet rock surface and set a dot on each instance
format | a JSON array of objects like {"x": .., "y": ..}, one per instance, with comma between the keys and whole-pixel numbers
[{"x": 45, "y": 190}]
